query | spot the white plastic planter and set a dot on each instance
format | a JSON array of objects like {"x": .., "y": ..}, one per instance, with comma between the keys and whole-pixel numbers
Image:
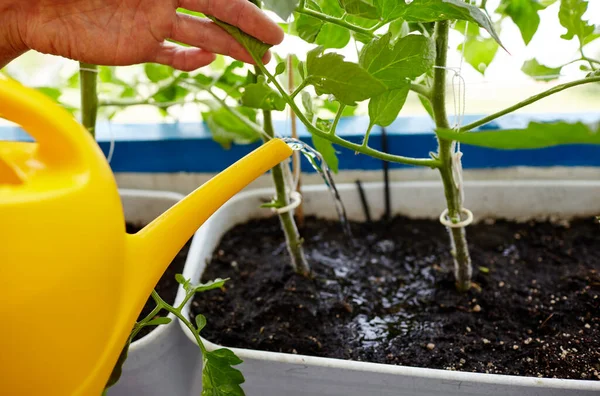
[
  {"x": 160, "y": 363},
  {"x": 276, "y": 374}
]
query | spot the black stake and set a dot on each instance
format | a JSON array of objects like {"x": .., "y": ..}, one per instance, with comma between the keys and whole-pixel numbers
[
  {"x": 363, "y": 200},
  {"x": 386, "y": 175}
]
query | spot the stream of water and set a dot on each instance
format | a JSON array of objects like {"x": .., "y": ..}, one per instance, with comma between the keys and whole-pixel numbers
[{"x": 321, "y": 167}]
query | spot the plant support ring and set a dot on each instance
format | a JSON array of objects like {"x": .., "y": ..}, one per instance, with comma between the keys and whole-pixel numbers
[
  {"x": 445, "y": 221},
  {"x": 296, "y": 199}
]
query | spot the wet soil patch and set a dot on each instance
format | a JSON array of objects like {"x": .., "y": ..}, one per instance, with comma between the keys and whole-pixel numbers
[
  {"x": 390, "y": 298},
  {"x": 167, "y": 285}
]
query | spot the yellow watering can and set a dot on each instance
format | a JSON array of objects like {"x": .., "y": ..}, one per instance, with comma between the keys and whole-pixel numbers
[{"x": 72, "y": 282}]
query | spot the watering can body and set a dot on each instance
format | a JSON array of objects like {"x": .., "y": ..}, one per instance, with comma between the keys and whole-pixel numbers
[{"x": 72, "y": 282}]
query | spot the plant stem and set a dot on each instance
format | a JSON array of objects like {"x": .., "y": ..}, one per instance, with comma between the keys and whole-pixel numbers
[
  {"x": 421, "y": 90},
  {"x": 427, "y": 162},
  {"x": 528, "y": 101},
  {"x": 334, "y": 20},
  {"x": 299, "y": 89},
  {"x": 89, "y": 96},
  {"x": 292, "y": 237},
  {"x": 458, "y": 240},
  {"x": 338, "y": 116}
]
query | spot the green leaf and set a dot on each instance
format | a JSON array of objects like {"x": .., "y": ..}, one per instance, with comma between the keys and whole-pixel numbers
[
  {"x": 361, "y": 8},
  {"x": 534, "y": 69},
  {"x": 227, "y": 128},
  {"x": 591, "y": 37},
  {"x": 314, "y": 30},
  {"x": 524, "y": 13},
  {"x": 427, "y": 106},
  {"x": 440, "y": 10},
  {"x": 156, "y": 72},
  {"x": 181, "y": 280},
  {"x": 200, "y": 323},
  {"x": 262, "y": 96},
  {"x": 325, "y": 147},
  {"x": 158, "y": 321},
  {"x": 255, "y": 47},
  {"x": 570, "y": 16},
  {"x": 52, "y": 93},
  {"x": 398, "y": 29},
  {"x": 479, "y": 52},
  {"x": 280, "y": 69},
  {"x": 347, "y": 81},
  {"x": 409, "y": 58},
  {"x": 219, "y": 378},
  {"x": 308, "y": 106},
  {"x": 215, "y": 284},
  {"x": 283, "y": 8},
  {"x": 536, "y": 135},
  {"x": 170, "y": 93},
  {"x": 390, "y": 9},
  {"x": 384, "y": 108}
]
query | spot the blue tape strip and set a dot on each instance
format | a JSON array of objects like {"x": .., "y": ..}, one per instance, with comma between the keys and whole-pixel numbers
[{"x": 188, "y": 147}]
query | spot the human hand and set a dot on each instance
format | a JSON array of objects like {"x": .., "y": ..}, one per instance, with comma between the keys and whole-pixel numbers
[{"x": 126, "y": 32}]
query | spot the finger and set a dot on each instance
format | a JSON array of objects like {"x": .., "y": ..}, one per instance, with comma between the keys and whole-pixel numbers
[
  {"x": 240, "y": 13},
  {"x": 205, "y": 34},
  {"x": 182, "y": 58}
]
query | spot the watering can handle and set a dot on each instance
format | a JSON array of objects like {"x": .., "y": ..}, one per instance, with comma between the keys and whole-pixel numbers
[{"x": 61, "y": 139}]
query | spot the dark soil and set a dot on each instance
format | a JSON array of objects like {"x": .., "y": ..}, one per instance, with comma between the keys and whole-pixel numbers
[
  {"x": 534, "y": 311},
  {"x": 167, "y": 285}
]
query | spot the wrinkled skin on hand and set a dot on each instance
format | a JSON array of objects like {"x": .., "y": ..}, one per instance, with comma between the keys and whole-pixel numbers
[{"x": 126, "y": 32}]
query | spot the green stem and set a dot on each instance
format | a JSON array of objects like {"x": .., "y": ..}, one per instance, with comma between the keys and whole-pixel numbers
[
  {"x": 427, "y": 162},
  {"x": 177, "y": 313},
  {"x": 338, "y": 116},
  {"x": 458, "y": 240},
  {"x": 421, "y": 90},
  {"x": 292, "y": 236},
  {"x": 299, "y": 89},
  {"x": 334, "y": 20},
  {"x": 89, "y": 96},
  {"x": 528, "y": 101}
]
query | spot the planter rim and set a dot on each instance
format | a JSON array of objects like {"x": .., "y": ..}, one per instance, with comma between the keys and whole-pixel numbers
[
  {"x": 500, "y": 379},
  {"x": 129, "y": 192}
]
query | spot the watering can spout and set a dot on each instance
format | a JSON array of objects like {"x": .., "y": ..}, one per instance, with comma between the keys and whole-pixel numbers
[{"x": 150, "y": 251}]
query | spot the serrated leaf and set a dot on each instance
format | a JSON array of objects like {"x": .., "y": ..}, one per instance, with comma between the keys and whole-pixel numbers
[
  {"x": 226, "y": 128},
  {"x": 524, "y": 13},
  {"x": 156, "y": 72},
  {"x": 347, "y": 81},
  {"x": 219, "y": 378},
  {"x": 570, "y": 16},
  {"x": 159, "y": 321},
  {"x": 534, "y": 69},
  {"x": 360, "y": 8},
  {"x": 440, "y": 10},
  {"x": 325, "y": 147},
  {"x": 262, "y": 96},
  {"x": 283, "y": 8},
  {"x": 384, "y": 108},
  {"x": 390, "y": 9},
  {"x": 409, "y": 58},
  {"x": 200, "y": 323},
  {"x": 536, "y": 135},
  {"x": 314, "y": 30},
  {"x": 255, "y": 47}
]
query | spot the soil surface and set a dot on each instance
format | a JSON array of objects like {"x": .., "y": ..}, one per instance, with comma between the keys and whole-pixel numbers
[
  {"x": 167, "y": 285},
  {"x": 390, "y": 298}
]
